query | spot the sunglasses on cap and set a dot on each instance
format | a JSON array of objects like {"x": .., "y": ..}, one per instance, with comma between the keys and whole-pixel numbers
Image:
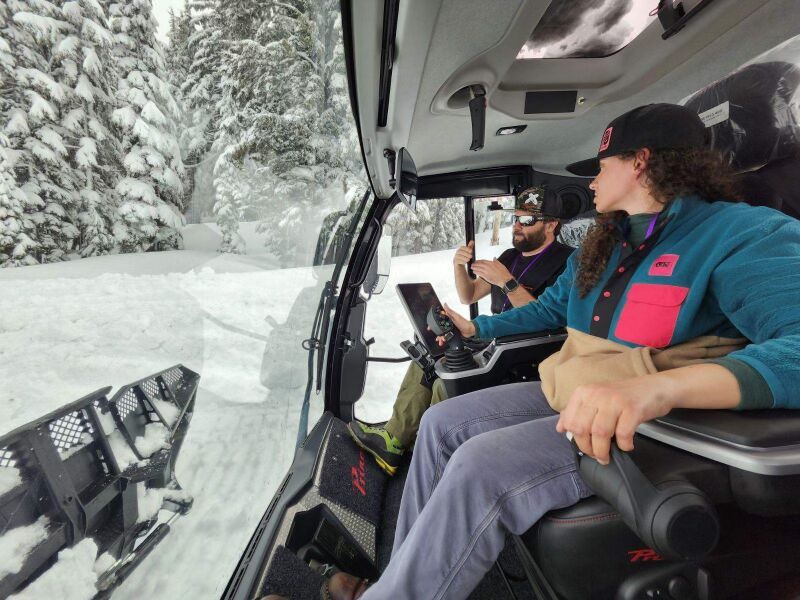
[{"x": 529, "y": 220}]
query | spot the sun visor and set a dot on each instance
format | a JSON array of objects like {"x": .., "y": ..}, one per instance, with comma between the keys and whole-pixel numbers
[{"x": 753, "y": 115}]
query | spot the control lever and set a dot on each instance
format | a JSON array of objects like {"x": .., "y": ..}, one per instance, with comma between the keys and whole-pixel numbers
[
  {"x": 675, "y": 519},
  {"x": 457, "y": 357},
  {"x": 423, "y": 359}
]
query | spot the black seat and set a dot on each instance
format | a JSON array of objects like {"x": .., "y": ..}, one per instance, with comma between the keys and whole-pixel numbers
[{"x": 746, "y": 463}]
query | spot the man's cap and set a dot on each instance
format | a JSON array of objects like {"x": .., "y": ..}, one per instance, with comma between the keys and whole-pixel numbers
[
  {"x": 655, "y": 126},
  {"x": 536, "y": 201},
  {"x": 530, "y": 200}
]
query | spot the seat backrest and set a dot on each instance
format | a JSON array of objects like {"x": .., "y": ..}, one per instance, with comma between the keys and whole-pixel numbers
[{"x": 752, "y": 120}]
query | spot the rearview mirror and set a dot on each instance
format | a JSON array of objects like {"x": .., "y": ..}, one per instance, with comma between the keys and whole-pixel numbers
[
  {"x": 378, "y": 274},
  {"x": 406, "y": 177}
]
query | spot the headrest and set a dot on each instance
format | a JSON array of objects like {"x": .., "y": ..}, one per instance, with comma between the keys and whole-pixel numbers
[{"x": 751, "y": 115}]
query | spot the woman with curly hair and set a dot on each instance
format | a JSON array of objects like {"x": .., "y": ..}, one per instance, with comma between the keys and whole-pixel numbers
[{"x": 658, "y": 317}]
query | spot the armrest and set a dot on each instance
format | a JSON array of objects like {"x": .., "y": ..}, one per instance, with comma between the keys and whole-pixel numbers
[
  {"x": 547, "y": 333},
  {"x": 766, "y": 442}
]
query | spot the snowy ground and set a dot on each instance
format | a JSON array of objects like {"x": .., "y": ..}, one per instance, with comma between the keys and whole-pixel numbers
[{"x": 70, "y": 328}]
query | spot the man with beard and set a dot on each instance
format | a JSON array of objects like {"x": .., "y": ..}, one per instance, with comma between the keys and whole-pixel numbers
[{"x": 518, "y": 276}]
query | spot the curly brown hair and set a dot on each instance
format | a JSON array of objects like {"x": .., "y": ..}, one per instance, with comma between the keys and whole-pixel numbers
[{"x": 668, "y": 175}]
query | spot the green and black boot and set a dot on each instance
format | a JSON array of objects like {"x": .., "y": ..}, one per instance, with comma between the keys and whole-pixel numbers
[{"x": 386, "y": 449}]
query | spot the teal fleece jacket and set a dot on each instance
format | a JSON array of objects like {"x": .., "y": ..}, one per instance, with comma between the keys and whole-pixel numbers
[{"x": 717, "y": 268}]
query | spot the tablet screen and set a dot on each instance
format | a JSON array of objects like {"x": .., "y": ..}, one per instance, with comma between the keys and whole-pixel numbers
[{"x": 418, "y": 299}]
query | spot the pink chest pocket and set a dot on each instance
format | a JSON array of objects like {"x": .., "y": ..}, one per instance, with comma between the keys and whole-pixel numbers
[{"x": 650, "y": 314}]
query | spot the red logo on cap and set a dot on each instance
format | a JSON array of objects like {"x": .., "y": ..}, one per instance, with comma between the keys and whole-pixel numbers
[{"x": 606, "y": 139}]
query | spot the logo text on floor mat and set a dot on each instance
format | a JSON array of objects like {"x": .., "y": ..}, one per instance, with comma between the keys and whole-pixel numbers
[{"x": 359, "y": 474}]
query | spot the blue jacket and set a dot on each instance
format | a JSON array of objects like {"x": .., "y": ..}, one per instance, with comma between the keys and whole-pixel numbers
[{"x": 715, "y": 268}]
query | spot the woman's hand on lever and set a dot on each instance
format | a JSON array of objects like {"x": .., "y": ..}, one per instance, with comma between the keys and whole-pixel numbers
[
  {"x": 598, "y": 412},
  {"x": 464, "y": 326}
]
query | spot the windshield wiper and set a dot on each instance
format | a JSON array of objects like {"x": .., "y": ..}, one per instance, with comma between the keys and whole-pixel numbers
[{"x": 319, "y": 330}]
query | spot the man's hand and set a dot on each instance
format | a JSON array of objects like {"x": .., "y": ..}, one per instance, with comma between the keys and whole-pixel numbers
[
  {"x": 465, "y": 326},
  {"x": 597, "y": 412},
  {"x": 492, "y": 271},
  {"x": 464, "y": 254}
]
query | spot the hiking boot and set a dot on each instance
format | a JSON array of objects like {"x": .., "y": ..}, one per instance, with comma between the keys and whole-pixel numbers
[{"x": 386, "y": 449}]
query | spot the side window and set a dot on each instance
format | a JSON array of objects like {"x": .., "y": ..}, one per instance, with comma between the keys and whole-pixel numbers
[
  {"x": 493, "y": 221},
  {"x": 423, "y": 244}
]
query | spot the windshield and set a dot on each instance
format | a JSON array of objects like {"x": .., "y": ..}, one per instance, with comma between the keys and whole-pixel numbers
[{"x": 176, "y": 182}]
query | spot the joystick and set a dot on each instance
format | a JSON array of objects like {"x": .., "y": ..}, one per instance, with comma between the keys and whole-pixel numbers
[{"x": 457, "y": 357}]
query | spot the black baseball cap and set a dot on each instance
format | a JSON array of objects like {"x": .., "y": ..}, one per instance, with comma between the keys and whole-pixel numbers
[{"x": 654, "y": 126}]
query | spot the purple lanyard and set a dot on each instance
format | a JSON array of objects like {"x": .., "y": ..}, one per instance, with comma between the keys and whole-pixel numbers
[
  {"x": 652, "y": 226},
  {"x": 525, "y": 270}
]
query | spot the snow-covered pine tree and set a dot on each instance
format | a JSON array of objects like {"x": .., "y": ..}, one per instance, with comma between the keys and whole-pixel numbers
[
  {"x": 235, "y": 185},
  {"x": 285, "y": 115},
  {"x": 447, "y": 220},
  {"x": 200, "y": 92},
  {"x": 435, "y": 225},
  {"x": 16, "y": 227},
  {"x": 35, "y": 130},
  {"x": 336, "y": 136},
  {"x": 178, "y": 64},
  {"x": 151, "y": 189},
  {"x": 336, "y": 142},
  {"x": 17, "y": 230},
  {"x": 86, "y": 68}
]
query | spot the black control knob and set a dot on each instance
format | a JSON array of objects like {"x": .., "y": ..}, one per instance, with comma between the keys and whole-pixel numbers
[{"x": 680, "y": 589}]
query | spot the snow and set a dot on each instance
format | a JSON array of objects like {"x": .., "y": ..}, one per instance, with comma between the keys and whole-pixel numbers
[
  {"x": 43, "y": 82},
  {"x": 110, "y": 320},
  {"x": 9, "y": 479},
  {"x": 17, "y": 123},
  {"x": 17, "y": 543},
  {"x": 87, "y": 153},
  {"x": 125, "y": 117},
  {"x": 149, "y": 502},
  {"x": 84, "y": 88},
  {"x": 103, "y": 563},
  {"x": 152, "y": 113},
  {"x": 40, "y": 108},
  {"x": 208, "y": 237},
  {"x": 137, "y": 189},
  {"x": 68, "y": 46},
  {"x": 86, "y": 438},
  {"x": 167, "y": 410},
  {"x": 72, "y": 577},
  {"x": 235, "y": 319},
  {"x": 40, "y": 25},
  {"x": 155, "y": 438},
  {"x": 120, "y": 449}
]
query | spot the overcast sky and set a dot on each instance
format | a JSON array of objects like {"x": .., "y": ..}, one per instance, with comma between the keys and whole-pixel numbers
[
  {"x": 587, "y": 28},
  {"x": 161, "y": 13}
]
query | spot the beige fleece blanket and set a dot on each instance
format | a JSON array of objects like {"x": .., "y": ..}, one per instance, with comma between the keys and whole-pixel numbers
[{"x": 587, "y": 359}]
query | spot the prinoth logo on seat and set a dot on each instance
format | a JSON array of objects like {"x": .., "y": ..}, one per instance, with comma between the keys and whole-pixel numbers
[
  {"x": 358, "y": 474},
  {"x": 606, "y": 139},
  {"x": 644, "y": 555}
]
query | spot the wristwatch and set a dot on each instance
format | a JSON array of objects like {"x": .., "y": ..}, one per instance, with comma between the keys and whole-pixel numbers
[{"x": 510, "y": 285}]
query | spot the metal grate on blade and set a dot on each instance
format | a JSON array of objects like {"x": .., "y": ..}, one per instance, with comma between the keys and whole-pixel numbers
[
  {"x": 127, "y": 404},
  {"x": 7, "y": 458},
  {"x": 68, "y": 431},
  {"x": 172, "y": 376},
  {"x": 151, "y": 389}
]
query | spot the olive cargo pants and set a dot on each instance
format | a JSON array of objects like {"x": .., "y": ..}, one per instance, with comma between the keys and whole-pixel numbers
[{"x": 413, "y": 399}]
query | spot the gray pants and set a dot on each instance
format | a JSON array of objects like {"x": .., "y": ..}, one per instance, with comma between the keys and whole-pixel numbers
[{"x": 485, "y": 464}]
